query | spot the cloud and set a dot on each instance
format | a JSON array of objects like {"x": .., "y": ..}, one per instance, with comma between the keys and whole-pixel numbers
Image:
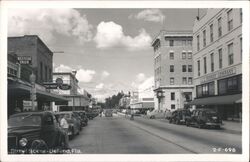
[
  {"x": 63, "y": 68},
  {"x": 99, "y": 86},
  {"x": 152, "y": 15},
  {"x": 110, "y": 34},
  {"x": 82, "y": 75},
  {"x": 85, "y": 75},
  {"x": 105, "y": 74},
  {"x": 147, "y": 84},
  {"x": 48, "y": 22},
  {"x": 140, "y": 77}
]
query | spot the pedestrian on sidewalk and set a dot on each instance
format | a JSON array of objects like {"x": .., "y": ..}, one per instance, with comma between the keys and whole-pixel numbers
[{"x": 64, "y": 124}]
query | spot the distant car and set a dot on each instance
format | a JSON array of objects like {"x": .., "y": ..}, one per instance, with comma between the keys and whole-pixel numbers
[
  {"x": 156, "y": 114},
  {"x": 91, "y": 114},
  {"x": 108, "y": 113},
  {"x": 37, "y": 131},
  {"x": 73, "y": 121},
  {"x": 180, "y": 116},
  {"x": 204, "y": 118}
]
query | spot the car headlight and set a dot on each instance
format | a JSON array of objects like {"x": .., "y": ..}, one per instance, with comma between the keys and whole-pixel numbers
[{"x": 23, "y": 142}]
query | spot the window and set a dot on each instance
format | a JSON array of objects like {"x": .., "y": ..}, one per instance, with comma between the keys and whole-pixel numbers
[
  {"x": 205, "y": 65},
  {"x": 172, "y": 106},
  {"x": 189, "y": 55},
  {"x": 240, "y": 15},
  {"x": 171, "y": 55},
  {"x": 199, "y": 67},
  {"x": 41, "y": 71},
  {"x": 171, "y": 68},
  {"x": 205, "y": 90},
  {"x": 183, "y": 55},
  {"x": 184, "y": 80},
  {"x": 230, "y": 20},
  {"x": 171, "y": 42},
  {"x": 172, "y": 96},
  {"x": 171, "y": 81},
  {"x": 190, "y": 68},
  {"x": 212, "y": 61},
  {"x": 190, "y": 80},
  {"x": 184, "y": 43},
  {"x": 219, "y": 27},
  {"x": 189, "y": 43},
  {"x": 46, "y": 73},
  {"x": 198, "y": 42},
  {"x": 204, "y": 38},
  {"x": 230, "y": 85},
  {"x": 50, "y": 75},
  {"x": 230, "y": 54},
  {"x": 184, "y": 68},
  {"x": 220, "y": 58},
  {"x": 211, "y": 33},
  {"x": 157, "y": 45},
  {"x": 241, "y": 48}
]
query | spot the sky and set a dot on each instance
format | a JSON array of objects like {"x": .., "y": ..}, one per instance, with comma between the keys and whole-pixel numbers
[{"x": 110, "y": 48}]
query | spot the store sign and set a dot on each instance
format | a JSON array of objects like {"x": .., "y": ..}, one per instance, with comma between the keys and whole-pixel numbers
[
  {"x": 50, "y": 85},
  {"x": 25, "y": 60},
  {"x": 59, "y": 81},
  {"x": 65, "y": 87},
  {"x": 217, "y": 75}
]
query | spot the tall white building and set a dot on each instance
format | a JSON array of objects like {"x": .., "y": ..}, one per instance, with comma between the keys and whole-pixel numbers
[
  {"x": 173, "y": 66},
  {"x": 217, "y": 55}
]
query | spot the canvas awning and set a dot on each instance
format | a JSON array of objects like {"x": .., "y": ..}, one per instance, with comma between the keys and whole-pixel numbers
[{"x": 217, "y": 100}]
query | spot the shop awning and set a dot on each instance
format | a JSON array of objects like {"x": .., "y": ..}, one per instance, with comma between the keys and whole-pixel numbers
[
  {"x": 217, "y": 100},
  {"x": 21, "y": 90},
  {"x": 46, "y": 96}
]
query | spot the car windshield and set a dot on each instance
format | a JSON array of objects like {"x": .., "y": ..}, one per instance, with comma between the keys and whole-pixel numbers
[
  {"x": 25, "y": 120},
  {"x": 67, "y": 116}
]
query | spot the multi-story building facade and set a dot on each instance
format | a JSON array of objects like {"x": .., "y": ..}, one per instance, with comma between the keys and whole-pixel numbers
[
  {"x": 77, "y": 100},
  {"x": 217, "y": 54},
  {"x": 173, "y": 67},
  {"x": 42, "y": 56},
  {"x": 20, "y": 87}
]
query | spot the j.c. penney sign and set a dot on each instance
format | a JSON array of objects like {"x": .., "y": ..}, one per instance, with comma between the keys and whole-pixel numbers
[{"x": 219, "y": 74}]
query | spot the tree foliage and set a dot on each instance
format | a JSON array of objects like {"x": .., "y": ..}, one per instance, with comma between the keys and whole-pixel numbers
[{"x": 113, "y": 102}]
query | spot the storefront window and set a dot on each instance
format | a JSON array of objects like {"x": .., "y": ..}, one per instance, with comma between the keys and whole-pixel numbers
[
  {"x": 222, "y": 86},
  {"x": 211, "y": 88},
  {"x": 205, "y": 90},
  {"x": 199, "y": 91},
  {"x": 230, "y": 85}
]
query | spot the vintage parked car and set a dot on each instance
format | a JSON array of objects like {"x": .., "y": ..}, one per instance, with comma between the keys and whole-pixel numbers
[
  {"x": 204, "y": 118},
  {"x": 156, "y": 114},
  {"x": 77, "y": 115},
  {"x": 180, "y": 116},
  {"x": 84, "y": 118},
  {"x": 73, "y": 121},
  {"x": 37, "y": 131}
]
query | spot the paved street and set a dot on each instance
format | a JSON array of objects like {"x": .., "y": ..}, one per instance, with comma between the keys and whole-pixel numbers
[{"x": 117, "y": 135}]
